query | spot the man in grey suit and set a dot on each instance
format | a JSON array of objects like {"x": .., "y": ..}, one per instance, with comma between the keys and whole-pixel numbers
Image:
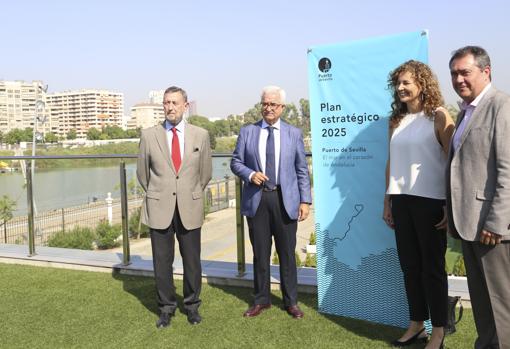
[
  {"x": 478, "y": 193},
  {"x": 270, "y": 158},
  {"x": 174, "y": 166}
]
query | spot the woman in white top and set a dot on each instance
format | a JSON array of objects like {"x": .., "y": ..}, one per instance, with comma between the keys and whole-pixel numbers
[{"x": 419, "y": 131}]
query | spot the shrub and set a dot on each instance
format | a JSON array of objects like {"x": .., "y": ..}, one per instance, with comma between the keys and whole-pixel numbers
[
  {"x": 459, "y": 268},
  {"x": 311, "y": 260},
  {"x": 136, "y": 228},
  {"x": 276, "y": 260},
  {"x": 312, "y": 238},
  {"x": 107, "y": 235},
  {"x": 80, "y": 238}
]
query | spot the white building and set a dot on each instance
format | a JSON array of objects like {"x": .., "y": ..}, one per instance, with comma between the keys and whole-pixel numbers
[
  {"x": 17, "y": 106},
  {"x": 145, "y": 115},
  {"x": 85, "y": 109}
]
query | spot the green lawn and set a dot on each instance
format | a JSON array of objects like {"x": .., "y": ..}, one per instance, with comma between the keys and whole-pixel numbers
[{"x": 58, "y": 308}]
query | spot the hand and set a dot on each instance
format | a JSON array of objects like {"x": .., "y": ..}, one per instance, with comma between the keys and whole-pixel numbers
[
  {"x": 304, "y": 210},
  {"x": 444, "y": 221},
  {"x": 387, "y": 216},
  {"x": 489, "y": 238},
  {"x": 259, "y": 178}
]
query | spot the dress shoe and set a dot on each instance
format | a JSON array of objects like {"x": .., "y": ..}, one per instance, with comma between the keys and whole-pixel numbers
[
  {"x": 295, "y": 312},
  {"x": 194, "y": 317},
  {"x": 256, "y": 310},
  {"x": 164, "y": 320},
  {"x": 415, "y": 338}
]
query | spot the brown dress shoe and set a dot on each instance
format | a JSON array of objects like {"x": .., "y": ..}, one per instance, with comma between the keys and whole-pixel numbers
[
  {"x": 295, "y": 312},
  {"x": 256, "y": 310}
]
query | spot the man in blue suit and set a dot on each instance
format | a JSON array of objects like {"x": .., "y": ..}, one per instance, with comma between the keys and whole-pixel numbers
[{"x": 270, "y": 159}]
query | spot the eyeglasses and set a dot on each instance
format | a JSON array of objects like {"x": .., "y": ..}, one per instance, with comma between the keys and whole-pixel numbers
[{"x": 271, "y": 105}]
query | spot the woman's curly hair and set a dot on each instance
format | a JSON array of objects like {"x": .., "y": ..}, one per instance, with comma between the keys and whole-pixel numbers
[{"x": 430, "y": 93}]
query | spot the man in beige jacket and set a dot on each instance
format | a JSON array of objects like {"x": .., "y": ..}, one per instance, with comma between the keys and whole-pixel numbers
[{"x": 174, "y": 166}]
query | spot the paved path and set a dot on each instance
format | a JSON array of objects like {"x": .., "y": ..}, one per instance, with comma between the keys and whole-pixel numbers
[{"x": 219, "y": 238}]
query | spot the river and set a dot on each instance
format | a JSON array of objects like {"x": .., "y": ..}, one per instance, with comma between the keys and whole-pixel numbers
[{"x": 57, "y": 188}]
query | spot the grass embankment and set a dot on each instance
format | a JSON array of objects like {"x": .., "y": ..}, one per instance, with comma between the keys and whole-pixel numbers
[
  {"x": 120, "y": 148},
  {"x": 57, "y": 308}
]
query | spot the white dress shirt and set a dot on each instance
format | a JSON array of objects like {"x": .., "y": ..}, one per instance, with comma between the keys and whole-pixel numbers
[
  {"x": 262, "y": 146},
  {"x": 180, "y": 135}
]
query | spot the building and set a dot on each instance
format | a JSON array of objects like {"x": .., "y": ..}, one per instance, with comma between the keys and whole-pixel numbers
[
  {"x": 85, "y": 109},
  {"x": 17, "y": 106},
  {"x": 145, "y": 115},
  {"x": 156, "y": 96}
]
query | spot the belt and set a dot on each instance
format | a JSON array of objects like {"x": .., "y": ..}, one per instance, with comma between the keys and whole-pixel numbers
[{"x": 276, "y": 188}]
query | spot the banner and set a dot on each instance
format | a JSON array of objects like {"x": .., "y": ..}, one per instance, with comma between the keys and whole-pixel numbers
[{"x": 358, "y": 271}]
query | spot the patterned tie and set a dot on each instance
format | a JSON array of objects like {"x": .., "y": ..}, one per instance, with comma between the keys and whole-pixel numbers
[
  {"x": 176, "y": 150},
  {"x": 270, "y": 160}
]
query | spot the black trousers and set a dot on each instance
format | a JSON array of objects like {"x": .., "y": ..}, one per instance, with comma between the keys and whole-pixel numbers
[
  {"x": 271, "y": 219},
  {"x": 421, "y": 250},
  {"x": 163, "y": 251}
]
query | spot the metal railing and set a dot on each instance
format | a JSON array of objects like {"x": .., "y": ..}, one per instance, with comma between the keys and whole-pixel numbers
[{"x": 212, "y": 201}]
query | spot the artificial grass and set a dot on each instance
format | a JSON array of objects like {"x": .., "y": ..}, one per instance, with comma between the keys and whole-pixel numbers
[{"x": 59, "y": 308}]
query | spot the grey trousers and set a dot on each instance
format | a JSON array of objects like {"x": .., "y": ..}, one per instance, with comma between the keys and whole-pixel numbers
[{"x": 488, "y": 276}]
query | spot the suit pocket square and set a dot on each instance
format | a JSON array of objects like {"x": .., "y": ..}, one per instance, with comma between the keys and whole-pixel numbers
[{"x": 196, "y": 195}]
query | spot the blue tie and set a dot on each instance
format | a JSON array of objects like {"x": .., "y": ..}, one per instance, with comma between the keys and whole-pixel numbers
[{"x": 270, "y": 160}]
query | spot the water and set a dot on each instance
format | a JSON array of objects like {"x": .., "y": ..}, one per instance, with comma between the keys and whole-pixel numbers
[{"x": 57, "y": 188}]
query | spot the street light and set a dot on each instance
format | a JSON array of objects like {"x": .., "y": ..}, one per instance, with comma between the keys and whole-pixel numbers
[{"x": 40, "y": 117}]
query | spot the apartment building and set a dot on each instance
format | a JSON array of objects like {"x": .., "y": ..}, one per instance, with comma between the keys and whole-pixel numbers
[
  {"x": 85, "y": 109},
  {"x": 17, "y": 106},
  {"x": 145, "y": 115}
]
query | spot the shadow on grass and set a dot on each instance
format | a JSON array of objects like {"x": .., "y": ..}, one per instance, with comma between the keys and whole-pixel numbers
[{"x": 144, "y": 289}]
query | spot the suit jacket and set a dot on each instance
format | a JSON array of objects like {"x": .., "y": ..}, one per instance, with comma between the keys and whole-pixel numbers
[
  {"x": 164, "y": 187},
  {"x": 292, "y": 170},
  {"x": 478, "y": 178}
]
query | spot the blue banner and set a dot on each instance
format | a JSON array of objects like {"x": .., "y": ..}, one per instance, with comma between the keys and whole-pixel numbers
[{"x": 358, "y": 271}]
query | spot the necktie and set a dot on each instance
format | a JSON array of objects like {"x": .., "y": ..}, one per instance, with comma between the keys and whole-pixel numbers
[
  {"x": 270, "y": 160},
  {"x": 176, "y": 150}
]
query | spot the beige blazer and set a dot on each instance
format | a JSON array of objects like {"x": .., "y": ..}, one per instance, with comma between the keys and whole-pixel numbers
[
  {"x": 478, "y": 177},
  {"x": 164, "y": 187}
]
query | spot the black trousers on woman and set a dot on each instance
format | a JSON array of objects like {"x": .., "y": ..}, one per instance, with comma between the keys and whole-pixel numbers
[{"x": 421, "y": 250}]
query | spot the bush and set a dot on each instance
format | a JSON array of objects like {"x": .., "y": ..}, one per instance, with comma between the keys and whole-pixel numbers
[
  {"x": 80, "y": 238},
  {"x": 276, "y": 260},
  {"x": 312, "y": 238},
  {"x": 136, "y": 228},
  {"x": 311, "y": 260},
  {"x": 107, "y": 235},
  {"x": 459, "y": 268}
]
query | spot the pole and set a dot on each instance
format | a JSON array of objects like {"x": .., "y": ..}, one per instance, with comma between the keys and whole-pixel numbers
[
  {"x": 241, "y": 262},
  {"x": 124, "y": 211},
  {"x": 30, "y": 202}
]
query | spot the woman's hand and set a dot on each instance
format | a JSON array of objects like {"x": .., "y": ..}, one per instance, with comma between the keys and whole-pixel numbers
[
  {"x": 387, "y": 216},
  {"x": 444, "y": 221}
]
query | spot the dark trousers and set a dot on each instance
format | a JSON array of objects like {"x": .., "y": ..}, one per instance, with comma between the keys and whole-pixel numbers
[
  {"x": 163, "y": 247},
  {"x": 271, "y": 219},
  {"x": 421, "y": 250},
  {"x": 488, "y": 276}
]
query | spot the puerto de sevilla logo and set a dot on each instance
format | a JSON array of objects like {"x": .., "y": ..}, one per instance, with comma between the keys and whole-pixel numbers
[{"x": 325, "y": 66}]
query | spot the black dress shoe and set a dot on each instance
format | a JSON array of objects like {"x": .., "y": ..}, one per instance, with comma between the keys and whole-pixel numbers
[
  {"x": 194, "y": 317},
  {"x": 415, "y": 338},
  {"x": 164, "y": 320}
]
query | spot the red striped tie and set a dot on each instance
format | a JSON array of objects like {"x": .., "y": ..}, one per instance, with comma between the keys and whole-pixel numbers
[{"x": 176, "y": 150}]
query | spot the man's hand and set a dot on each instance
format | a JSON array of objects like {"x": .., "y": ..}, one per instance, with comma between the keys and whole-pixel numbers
[
  {"x": 387, "y": 216},
  {"x": 489, "y": 238},
  {"x": 304, "y": 210},
  {"x": 259, "y": 178}
]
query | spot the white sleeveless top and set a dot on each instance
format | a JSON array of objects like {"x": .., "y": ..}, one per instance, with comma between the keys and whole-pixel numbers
[{"x": 417, "y": 160}]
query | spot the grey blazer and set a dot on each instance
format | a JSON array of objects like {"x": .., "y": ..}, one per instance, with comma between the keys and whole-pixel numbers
[
  {"x": 478, "y": 177},
  {"x": 164, "y": 188}
]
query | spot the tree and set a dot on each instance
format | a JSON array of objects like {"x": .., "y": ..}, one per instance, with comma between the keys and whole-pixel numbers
[
  {"x": 113, "y": 132},
  {"x": 202, "y": 121},
  {"x": 7, "y": 206},
  {"x": 71, "y": 134},
  {"x": 1, "y": 137},
  {"x": 93, "y": 134},
  {"x": 50, "y": 137},
  {"x": 14, "y": 136}
]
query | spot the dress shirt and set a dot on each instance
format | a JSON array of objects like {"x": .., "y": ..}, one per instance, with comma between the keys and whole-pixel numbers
[
  {"x": 169, "y": 136},
  {"x": 468, "y": 111},
  {"x": 262, "y": 146}
]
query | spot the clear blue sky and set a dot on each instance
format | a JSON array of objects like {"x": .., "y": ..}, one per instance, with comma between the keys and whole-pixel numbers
[{"x": 224, "y": 52}]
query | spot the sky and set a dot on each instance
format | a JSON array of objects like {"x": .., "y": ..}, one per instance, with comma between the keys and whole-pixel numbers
[{"x": 224, "y": 52}]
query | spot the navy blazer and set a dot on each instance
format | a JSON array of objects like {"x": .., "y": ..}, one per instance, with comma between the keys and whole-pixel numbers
[{"x": 292, "y": 170}]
